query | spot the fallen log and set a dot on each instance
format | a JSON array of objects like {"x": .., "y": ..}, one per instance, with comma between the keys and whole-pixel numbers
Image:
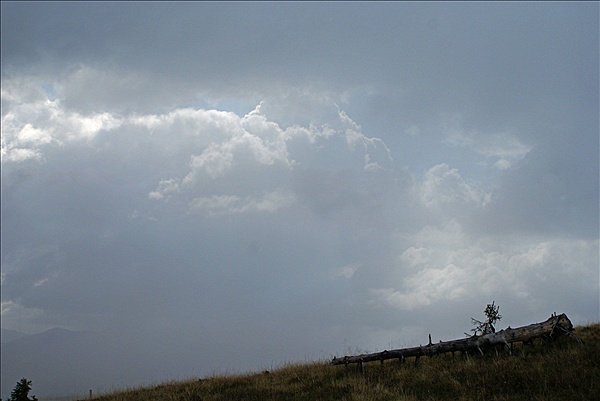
[{"x": 553, "y": 327}]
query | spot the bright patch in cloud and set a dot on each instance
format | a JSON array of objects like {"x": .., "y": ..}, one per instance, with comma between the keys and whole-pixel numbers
[
  {"x": 443, "y": 185},
  {"x": 446, "y": 264},
  {"x": 217, "y": 205},
  {"x": 348, "y": 271},
  {"x": 32, "y": 123},
  {"x": 503, "y": 149},
  {"x": 164, "y": 190}
]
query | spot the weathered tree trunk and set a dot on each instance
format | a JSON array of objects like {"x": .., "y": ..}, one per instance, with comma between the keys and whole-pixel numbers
[{"x": 555, "y": 326}]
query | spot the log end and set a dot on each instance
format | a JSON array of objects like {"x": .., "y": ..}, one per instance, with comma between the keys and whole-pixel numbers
[{"x": 563, "y": 321}]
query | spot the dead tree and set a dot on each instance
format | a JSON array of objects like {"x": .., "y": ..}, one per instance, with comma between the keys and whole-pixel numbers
[{"x": 553, "y": 327}]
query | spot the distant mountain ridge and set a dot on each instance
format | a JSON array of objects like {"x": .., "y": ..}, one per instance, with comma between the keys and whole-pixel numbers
[
  {"x": 7, "y": 335},
  {"x": 65, "y": 363},
  {"x": 53, "y": 360}
]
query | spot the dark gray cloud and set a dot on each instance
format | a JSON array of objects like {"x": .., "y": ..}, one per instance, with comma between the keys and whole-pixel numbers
[{"x": 552, "y": 190}]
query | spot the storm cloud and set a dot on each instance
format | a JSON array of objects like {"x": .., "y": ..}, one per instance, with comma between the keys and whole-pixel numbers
[{"x": 228, "y": 186}]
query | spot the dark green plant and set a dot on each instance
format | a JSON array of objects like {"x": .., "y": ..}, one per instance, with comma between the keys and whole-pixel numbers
[
  {"x": 21, "y": 391},
  {"x": 486, "y": 327}
]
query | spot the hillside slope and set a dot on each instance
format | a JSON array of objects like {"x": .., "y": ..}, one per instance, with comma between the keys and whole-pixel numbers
[{"x": 561, "y": 370}]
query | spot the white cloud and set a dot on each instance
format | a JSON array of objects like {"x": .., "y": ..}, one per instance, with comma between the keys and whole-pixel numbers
[
  {"x": 12, "y": 312},
  {"x": 229, "y": 159},
  {"x": 165, "y": 189},
  {"x": 218, "y": 205},
  {"x": 30, "y": 134},
  {"x": 32, "y": 123},
  {"x": 41, "y": 282},
  {"x": 376, "y": 154},
  {"x": 215, "y": 161},
  {"x": 503, "y": 149},
  {"x": 348, "y": 271},
  {"x": 445, "y": 264},
  {"x": 256, "y": 154},
  {"x": 79, "y": 126},
  {"x": 443, "y": 185},
  {"x": 415, "y": 256},
  {"x": 429, "y": 285},
  {"x": 226, "y": 140},
  {"x": 13, "y": 154},
  {"x": 503, "y": 164}
]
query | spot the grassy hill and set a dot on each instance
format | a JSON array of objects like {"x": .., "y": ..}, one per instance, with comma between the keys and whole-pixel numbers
[{"x": 561, "y": 370}]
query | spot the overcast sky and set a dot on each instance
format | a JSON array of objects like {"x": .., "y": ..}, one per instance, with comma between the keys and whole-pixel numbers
[{"x": 281, "y": 182}]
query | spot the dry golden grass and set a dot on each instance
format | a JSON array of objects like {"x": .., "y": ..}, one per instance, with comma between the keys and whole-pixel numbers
[{"x": 561, "y": 370}]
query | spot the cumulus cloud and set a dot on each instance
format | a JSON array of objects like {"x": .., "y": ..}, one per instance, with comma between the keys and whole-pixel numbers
[
  {"x": 33, "y": 123},
  {"x": 322, "y": 170},
  {"x": 164, "y": 189},
  {"x": 445, "y": 186},
  {"x": 445, "y": 264},
  {"x": 240, "y": 147}
]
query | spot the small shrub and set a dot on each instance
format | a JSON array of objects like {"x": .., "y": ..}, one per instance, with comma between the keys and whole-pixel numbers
[
  {"x": 493, "y": 315},
  {"x": 21, "y": 391}
]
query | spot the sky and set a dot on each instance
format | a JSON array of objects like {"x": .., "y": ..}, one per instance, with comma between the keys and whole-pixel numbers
[{"x": 249, "y": 184}]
